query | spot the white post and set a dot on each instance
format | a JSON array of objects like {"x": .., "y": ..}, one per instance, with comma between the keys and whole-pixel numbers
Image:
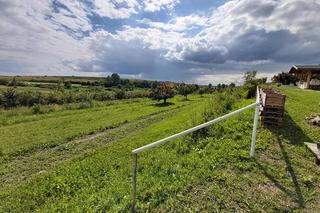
[
  {"x": 255, "y": 124},
  {"x": 134, "y": 182}
]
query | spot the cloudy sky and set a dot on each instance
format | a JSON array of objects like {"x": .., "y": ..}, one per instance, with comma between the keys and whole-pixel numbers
[{"x": 197, "y": 41}]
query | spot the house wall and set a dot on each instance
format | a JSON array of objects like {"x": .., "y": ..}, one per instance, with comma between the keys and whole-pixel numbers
[{"x": 313, "y": 82}]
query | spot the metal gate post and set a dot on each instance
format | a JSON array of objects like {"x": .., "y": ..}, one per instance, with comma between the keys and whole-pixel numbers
[{"x": 134, "y": 181}]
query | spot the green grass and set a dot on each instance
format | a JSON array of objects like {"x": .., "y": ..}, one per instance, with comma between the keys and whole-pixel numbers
[
  {"x": 211, "y": 174},
  {"x": 39, "y": 131}
]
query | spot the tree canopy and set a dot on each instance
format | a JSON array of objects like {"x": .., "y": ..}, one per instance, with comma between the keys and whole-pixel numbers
[
  {"x": 185, "y": 89},
  {"x": 162, "y": 91},
  {"x": 284, "y": 78}
]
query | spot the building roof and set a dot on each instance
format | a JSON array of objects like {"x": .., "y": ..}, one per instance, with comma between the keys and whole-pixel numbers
[{"x": 305, "y": 68}]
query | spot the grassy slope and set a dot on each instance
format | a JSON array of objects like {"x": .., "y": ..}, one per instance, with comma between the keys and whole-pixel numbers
[
  {"x": 107, "y": 171},
  {"x": 38, "y": 131},
  {"x": 283, "y": 177},
  {"x": 211, "y": 174}
]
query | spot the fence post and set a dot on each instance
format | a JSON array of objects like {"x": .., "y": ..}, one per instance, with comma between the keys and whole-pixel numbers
[
  {"x": 255, "y": 124},
  {"x": 134, "y": 181}
]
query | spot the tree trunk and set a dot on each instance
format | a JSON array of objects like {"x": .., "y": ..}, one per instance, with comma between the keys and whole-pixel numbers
[{"x": 164, "y": 100}]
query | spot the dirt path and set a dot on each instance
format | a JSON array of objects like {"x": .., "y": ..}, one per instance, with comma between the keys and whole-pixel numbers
[{"x": 21, "y": 168}]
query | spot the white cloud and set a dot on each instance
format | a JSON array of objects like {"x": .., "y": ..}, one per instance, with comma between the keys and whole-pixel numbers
[
  {"x": 117, "y": 9},
  {"x": 157, "y": 5},
  {"x": 33, "y": 42},
  {"x": 247, "y": 30},
  {"x": 179, "y": 24},
  {"x": 228, "y": 78}
]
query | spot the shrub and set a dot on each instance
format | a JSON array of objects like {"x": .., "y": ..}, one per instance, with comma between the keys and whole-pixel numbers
[
  {"x": 29, "y": 98},
  {"x": 69, "y": 98},
  {"x": 120, "y": 94},
  {"x": 55, "y": 98},
  {"x": 3, "y": 82},
  {"x": 10, "y": 98},
  {"x": 202, "y": 91},
  {"x": 102, "y": 95},
  {"x": 219, "y": 104},
  {"x": 36, "y": 109},
  {"x": 83, "y": 97},
  {"x": 67, "y": 85},
  {"x": 86, "y": 105}
]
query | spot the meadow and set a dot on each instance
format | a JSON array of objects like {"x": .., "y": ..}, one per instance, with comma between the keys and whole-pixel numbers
[{"x": 74, "y": 159}]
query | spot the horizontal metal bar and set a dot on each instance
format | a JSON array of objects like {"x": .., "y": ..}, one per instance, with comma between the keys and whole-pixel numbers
[{"x": 188, "y": 131}]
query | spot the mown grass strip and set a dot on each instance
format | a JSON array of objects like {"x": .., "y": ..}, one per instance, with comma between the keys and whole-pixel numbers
[
  {"x": 51, "y": 131},
  {"x": 21, "y": 168}
]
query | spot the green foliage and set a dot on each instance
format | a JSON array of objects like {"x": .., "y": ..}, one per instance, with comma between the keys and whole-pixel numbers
[
  {"x": 232, "y": 85},
  {"x": 86, "y": 104},
  {"x": 67, "y": 85},
  {"x": 285, "y": 78},
  {"x": 202, "y": 91},
  {"x": 36, "y": 109},
  {"x": 10, "y": 98},
  {"x": 30, "y": 97},
  {"x": 120, "y": 94},
  {"x": 185, "y": 89},
  {"x": 218, "y": 105},
  {"x": 60, "y": 86},
  {"x": 251, "y": 83},
  {"x": 162, "y": 91},
  {"x": 3, "y": 82},
  {"x": 250, "y": 76},
  {"x": 113, "y": 80}
]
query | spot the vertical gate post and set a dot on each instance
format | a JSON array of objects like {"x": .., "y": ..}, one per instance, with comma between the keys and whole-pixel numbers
[
  {"x": 134, "y": 182},
  {"x": 255, "y": 124}
]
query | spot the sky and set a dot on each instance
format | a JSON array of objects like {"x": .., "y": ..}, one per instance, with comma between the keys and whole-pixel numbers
[{"x": 195, "y": 41}]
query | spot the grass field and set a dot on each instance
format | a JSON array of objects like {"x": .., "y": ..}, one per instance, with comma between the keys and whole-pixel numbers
[
  {"x": 25, "y": 133},
  {"x": 80, "y": 160}
]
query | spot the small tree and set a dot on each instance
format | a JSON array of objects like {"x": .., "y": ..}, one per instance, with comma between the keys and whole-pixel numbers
[
  {"x": 115, "y": 78},
  {"x": 162, "y": 91},
  {"x": 251, "y": 82},
  {"x": 284, "y": 78},
  {"x": 185, "y": 89},
  {"x": 250, "y": 76},
  {"x": 232, "y": 85},
  {"x": 60, "y": 86}
]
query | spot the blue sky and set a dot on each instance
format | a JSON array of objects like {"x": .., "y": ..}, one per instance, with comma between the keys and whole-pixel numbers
[{"x": 197, "y": 41}]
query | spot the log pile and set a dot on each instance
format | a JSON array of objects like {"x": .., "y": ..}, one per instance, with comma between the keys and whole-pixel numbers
[{"x": 272, "y": 106}]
